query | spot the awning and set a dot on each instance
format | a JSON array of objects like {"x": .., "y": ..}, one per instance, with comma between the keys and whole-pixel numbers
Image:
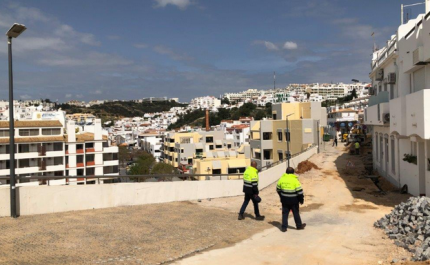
[
  {"x": 216, "y": 164},
  {"x": 199, "y": 145},
  {"x": 256, "y": 150},
  {"x": 218, "y": 142},
  {"x": 238, "y": 163}
]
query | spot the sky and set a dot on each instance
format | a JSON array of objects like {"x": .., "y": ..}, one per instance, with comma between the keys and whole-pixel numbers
[{"x": 109, "y": 49}]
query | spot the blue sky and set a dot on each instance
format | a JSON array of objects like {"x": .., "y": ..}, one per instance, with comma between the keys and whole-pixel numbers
[{"x": 109, "y": 49}]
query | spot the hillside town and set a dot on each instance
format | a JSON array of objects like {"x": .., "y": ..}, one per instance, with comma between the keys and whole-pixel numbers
[{"x": 240, "y": 168}]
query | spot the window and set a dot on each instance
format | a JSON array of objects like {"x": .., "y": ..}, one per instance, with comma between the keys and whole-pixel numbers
[
  {"x": 185, "y": 140},
  {"x": 280, "y": 136},
  {"x": 267, "y": 154},
  {"x": 274, "y": 116},
  {"x": 23, "y": 148},
  {"x": 376, "y": 147},
  {"x": 419, "y": 80},
  {"x": 211, "y": 147},
  {"x": 381, "y": 149},
  {"x": 392, "y": 91},
  {"x": 216, "y": 171},
  {"x": 79, "y": 159},
  {"x": 58, "y": 160},
  {"x": 58, "y": 146},
  {"x": 209, "y": 139},
  {"x": 28, "y": 132},
  {"x": 182, "y": 151},
  {"x": 4, "y": 133},
  {"x": 280, "y": 156},
  {"x": 51, "y": 131},
  {"x": 229, "y": 146},
  {"x": 267, "y": 136},
  {"x": 218, "y": 146}
]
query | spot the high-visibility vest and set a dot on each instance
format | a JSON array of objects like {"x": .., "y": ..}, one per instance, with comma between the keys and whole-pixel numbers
[
  {"x": 250, "y": 180},
  {"x": 289, "y": 189},
  {"x": 357, "y": 145}
]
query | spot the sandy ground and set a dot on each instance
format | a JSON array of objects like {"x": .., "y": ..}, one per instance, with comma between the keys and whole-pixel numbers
[{"x": 340, "y": 220}]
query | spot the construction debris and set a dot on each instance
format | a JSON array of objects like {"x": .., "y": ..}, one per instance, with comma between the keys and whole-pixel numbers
[
  {"x": 409, "y": 225},
  {"x": 305, "y": 166}
]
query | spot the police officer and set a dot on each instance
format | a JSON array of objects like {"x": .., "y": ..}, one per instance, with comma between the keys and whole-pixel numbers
[
  {"x": 291, "y": 194},
  {"x": 250, "y": 188}
]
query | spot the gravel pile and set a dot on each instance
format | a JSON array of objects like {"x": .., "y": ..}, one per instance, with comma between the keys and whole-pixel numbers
[{"x": 409, "y": 225}]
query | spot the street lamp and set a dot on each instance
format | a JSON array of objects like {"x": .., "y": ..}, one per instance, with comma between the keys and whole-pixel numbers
[
  {"x": 288, "y": 141},
  {"x": 13, "y": 32}
]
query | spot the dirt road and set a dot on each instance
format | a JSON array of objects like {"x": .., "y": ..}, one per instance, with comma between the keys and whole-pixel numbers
[{"x": 340, "y": 220}]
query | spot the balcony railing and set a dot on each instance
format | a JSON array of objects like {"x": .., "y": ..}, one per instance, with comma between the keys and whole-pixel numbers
[{"x": 382, "y": 97}]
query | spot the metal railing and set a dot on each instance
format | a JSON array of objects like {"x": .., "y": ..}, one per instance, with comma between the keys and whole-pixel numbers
[{"x": 285, "y": 159}]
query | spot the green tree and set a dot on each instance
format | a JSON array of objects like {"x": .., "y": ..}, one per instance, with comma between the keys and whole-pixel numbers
[
  {"x": 354, "y": 93},
  {"x": 268, "y": 109},
  {"x": 259, "y": 115},
  {"x": 225, "y": 101},
  {"x": 123, "y": 155},
  {"x": 143, "y": 165},
  {"x": 162, "y": 168}
]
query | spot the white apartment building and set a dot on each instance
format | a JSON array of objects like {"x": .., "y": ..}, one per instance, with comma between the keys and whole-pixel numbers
[
  {"x": 208, "y": 102},
  {"x": 153, "y": 144},
  {"x": 47, "y": 148},
  {"x": 399, "y": 106}
]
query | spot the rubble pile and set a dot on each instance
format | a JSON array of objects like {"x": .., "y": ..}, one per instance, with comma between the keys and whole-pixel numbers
[
  {"x": 305, "y": 166},
  {"x": 409, "y": 225}
]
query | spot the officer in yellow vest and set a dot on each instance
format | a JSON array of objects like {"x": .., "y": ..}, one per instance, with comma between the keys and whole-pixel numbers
[
  {"x": 357, "y": 148},
  {"x": 291, "y": 194},
  {"x": 250, "y": 188}
]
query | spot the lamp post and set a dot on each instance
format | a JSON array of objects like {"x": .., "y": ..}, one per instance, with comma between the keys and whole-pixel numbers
[
  {"x": 288, "y": 141},
  {"x": 13, "y": 32}
]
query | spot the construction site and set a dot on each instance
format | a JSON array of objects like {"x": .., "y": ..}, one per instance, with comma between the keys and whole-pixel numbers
[{"x": 341, "y": 205}]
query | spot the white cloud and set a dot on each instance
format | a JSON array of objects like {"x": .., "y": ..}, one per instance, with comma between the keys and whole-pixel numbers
[
  {"x": 113, "y": 37},
  {"x": 271, "y": 46},
  {"x": 97, "y": 92},
  {"x": 79, "y": 96},
  {"x": 66, "y": 31},
  {"x": 140, "y": 45},
  {"x": 181, "y": 4},
  {"x": 160, "y": 49},
  {"x": 289, "y": 45},
  {"x": 24, "y": 97},
  {"x": 68, "y": 95}
]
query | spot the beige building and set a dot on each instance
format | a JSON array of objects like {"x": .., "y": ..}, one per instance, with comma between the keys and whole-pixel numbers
[
  {"x": 269, "y": 137},
  {"x": 223, "y": 162}
]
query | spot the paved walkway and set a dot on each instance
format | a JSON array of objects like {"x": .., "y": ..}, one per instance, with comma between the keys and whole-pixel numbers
[{"x": 340, "y": 222}]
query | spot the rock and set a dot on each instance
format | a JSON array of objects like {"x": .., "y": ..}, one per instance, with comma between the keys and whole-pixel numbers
[{"x": 394, "y": 261}]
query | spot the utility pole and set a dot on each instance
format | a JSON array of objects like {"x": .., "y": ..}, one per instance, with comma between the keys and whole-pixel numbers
[{"x": 288, "y": 136}]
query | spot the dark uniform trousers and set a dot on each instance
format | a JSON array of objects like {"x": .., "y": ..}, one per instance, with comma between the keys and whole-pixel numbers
[
  {"x": 286, "y": 211},
  {"x": 249, "y": 197}
]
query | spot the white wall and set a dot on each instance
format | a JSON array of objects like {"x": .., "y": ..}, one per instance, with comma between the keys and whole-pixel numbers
[{"x": 53, "y": 199}]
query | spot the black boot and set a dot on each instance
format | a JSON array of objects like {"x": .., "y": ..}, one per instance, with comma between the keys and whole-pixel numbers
[
  {"x": 260, "y": 217},
  {"x": 241, "y": 217}
]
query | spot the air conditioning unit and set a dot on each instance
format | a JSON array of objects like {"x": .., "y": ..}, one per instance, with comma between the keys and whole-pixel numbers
[
  {"x": 386, "y": 117},
  {"x": 391, "y": 78},
  {"x": 380, "y": 75},
  {"x": 371, "y": 91},
  {"x": 418, "y": 56}
]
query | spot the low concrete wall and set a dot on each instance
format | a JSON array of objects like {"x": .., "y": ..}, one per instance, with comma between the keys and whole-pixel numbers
[{"x": 53, "y": 199}]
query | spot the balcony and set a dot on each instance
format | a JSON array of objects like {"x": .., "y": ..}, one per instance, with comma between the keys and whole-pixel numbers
[
  {"x": 255, "y": 144},
  {"x": 418, "y": 114},
  {"x": 377, "y": 115},
  {"x": 398, "y": 115},
  {"x": 382, "y": 97}
]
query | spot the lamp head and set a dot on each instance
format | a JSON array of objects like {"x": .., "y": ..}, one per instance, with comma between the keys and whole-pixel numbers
[{"x": 15, "y": 30}]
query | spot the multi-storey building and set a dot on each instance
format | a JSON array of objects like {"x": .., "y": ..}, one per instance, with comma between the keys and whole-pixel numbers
[
  {"x": 181, "y": 149},
  {"x": 208, "y": 102},
  {"x": 269, "y": 137},
  {"x": 399, "y": 104},
  {"x": 46, "y": 148},
  {"x": 153, "y": 144}
]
